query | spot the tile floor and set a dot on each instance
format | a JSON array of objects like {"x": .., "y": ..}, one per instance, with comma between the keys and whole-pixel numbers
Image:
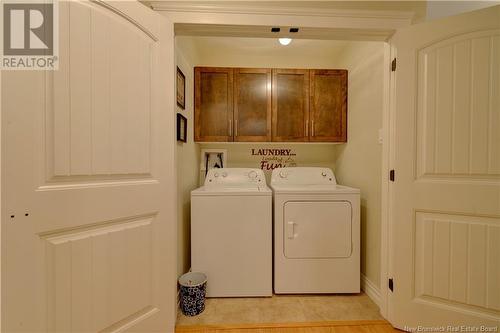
[{"x": 284, "y": 309}]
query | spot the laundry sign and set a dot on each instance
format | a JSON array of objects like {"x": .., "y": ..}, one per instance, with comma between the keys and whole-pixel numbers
[{"x": 272, "y": 158}]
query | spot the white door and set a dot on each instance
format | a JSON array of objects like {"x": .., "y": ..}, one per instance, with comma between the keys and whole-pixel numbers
[
  {"x": 317, "y": 229},
  {"x": 88, "y": 178},
  {"x": 446, "y": 194}
]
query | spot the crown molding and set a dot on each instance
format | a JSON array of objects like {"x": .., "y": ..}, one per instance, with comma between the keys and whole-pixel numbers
[
  {"x": 256, "y": 9},
  {"x": 216, "y": 30}
]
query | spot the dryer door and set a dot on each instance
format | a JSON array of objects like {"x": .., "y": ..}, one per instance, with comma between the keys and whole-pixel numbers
[{"x": 317, "y": 229}]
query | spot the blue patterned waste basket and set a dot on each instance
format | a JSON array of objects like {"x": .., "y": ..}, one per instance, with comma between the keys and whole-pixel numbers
[{"x": 193, "y": 289}]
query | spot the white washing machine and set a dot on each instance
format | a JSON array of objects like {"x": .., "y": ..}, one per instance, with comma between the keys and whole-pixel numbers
[
  {"x": 231, "y": 232},
  {"x": 316, "y": 232}
]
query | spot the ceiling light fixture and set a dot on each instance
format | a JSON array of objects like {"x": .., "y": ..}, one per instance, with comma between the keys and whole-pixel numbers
[{"x": 285, "y": 41}]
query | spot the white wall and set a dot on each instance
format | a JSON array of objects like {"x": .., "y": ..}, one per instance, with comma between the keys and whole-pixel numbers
[
  {"x": 439, "y": 9},
  {"x": 187, "y": 155},
  {"x": 266, "y": 52},
  {"x": 359, "y": 161},
  {"x": 308, "y": 154}
]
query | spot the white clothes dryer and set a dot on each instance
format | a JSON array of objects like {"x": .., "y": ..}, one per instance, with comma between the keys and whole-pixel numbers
[{"x": 316, "y": 232}]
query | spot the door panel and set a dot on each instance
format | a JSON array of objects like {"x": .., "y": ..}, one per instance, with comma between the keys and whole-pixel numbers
[
  {"x": 446, "y": 196},
  {"x": 457, "y": 124},
  {"x": 94, "y": 128},
  {"x": 444, "y": 266},
  {"x": 87, "y": 233},
  {"x": 85, "y": 267},
  {"x": 290, "y": 104},
  {"x": 328, "y": 105},
  {"x": 213, "y": 104},
  {"x": 252, "y": 104},
  {"x": 317, "y": 229}
]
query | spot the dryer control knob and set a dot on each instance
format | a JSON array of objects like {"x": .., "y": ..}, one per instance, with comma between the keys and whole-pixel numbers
[
  {"x": 224, "y": 174},
  {"x": 323, "y": 174},
  {"x": 216, "y": 174},
  {"x": 283, "y": 174},
  {"x": 252, "y": 174}
]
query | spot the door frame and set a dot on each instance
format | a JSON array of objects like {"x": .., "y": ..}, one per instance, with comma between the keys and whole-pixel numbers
[
  {"x": 388, "y": 157},
  {"x": 317, "y": 18}
]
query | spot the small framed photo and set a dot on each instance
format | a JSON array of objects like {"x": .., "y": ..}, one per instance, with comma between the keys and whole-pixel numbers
[
  {"x": 181, "y": 128},
  {"x": 181, "y": 89}
]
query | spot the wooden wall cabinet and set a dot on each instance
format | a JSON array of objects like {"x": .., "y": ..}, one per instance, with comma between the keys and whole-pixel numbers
[
  {"x": 252, "y": 104},
  {"x": 213, "y": 104},
  {"x": 290, "y": 105},
  {"x": 263, "y": 105},
  {"x": 328, "y": 106}
]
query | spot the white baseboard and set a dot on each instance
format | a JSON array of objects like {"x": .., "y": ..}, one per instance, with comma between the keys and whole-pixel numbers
[{"x": 370, "y": 289}]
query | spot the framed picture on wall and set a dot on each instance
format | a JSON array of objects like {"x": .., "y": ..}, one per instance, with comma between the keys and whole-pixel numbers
[
  {"x": 181, "y": 128},
  {"x": 181, "y": 89}
]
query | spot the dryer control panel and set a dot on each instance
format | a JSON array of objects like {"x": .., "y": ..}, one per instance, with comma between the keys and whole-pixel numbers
[
  {"x": 235, "y": 177},
  {"x": 303, "y": 176}
]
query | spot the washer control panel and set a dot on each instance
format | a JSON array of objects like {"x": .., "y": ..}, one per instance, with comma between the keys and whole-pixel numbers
[
  {"x": 303, "y": 176},
  {"x": 235, "y": 177}
]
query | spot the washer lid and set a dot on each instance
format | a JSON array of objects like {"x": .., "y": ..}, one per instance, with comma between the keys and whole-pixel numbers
[
  {"x": 231, "y": 190},
  {"x": 235, "y": 177}
]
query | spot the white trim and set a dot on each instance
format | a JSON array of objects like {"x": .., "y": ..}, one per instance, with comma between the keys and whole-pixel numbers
[
  {"x": 263, "y": 31},
  {"x": 363, "y": 24},
  {"x": 386, "y": 145},
  {"x": 370, "y": 289},
  {"x": 388, "y": 255},
  {"x": 259, "y": 9},
  {"x": 1, "y": 199}
]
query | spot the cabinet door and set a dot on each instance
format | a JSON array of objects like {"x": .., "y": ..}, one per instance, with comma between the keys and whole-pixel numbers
[
  {"x": 328, "y": 105},
  {"x": 252, "y": 104},
  {"x": 290, "y": 105},
  {"x": 213, "y": 105}
]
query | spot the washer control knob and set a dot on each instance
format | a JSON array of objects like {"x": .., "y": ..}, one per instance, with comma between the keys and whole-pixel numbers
[
  {"x": 252, "y": 174},
  {"x": 323, "y": 174},
  {"x": 283, "y": 174},
  {"x": 224, "y": 174},
  {"x": 216, "y": 174}
]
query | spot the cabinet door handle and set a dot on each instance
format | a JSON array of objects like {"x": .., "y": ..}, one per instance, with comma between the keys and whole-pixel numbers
[
  {"x": 230, "y": 127},
  {"x": 236, "y": 127},
  {"x": 312, "y": 127},
  {"x": 307, "y": 127}
]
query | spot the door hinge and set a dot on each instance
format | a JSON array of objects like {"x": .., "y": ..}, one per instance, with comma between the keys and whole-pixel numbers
[
  {"x": 391, "y": 284},
  {"x": 392, "y": 175},
  {"x": 393, "y": 65}
]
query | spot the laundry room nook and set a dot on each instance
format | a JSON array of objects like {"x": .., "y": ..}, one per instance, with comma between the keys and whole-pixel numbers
[
  {"x": 312, "y": 155},
  {"x": 301, "y": 120}
]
